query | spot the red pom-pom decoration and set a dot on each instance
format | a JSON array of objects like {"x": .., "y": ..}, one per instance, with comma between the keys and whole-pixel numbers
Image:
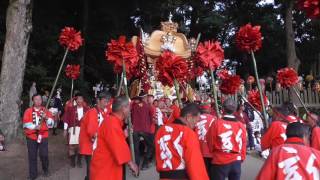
[
  {"x": 249, "y": 38},
  {"x": 311, "y": 7},
  {"x": 70, "y": 38},
  {"x": 118, "y": 51},
  {"x": 230, "y": 84},
  {"x": 223, "y": 74},
  {"x": 287, "y": 77},
  {"x": 170, "y": 67},
  {"x": 73, "y": 71},
  {"x": 210, "y": 55},
  {"x": 254, "y": 99}
]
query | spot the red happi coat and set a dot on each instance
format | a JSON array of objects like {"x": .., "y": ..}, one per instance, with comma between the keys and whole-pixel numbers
[
  {"x": 153, "y": 116},
  {"x": 108, "y": 109},
  {"x": 292, "y": 118},
  {"x": 28, "y": 117},
  {"x": 227, "y": 140},
  {"x": 242, "y": 117},
  {"x": 202, "y": 127},
  {"x": 71, "y": 116},
  {"x": 177, "y": 148},
  {"x": 175, "y": 114},
  {"x": 71, "y": 103},
  {"x": 292, "y": 160},
  {"x": 112, "y": 151},
  {"x": 275, "y": 135},
  {"x": 88, "y": 130},
  {"x": 315, "y": 138}
]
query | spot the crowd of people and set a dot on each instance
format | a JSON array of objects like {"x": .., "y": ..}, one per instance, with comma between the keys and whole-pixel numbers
[{"x": 187, "y": 140}]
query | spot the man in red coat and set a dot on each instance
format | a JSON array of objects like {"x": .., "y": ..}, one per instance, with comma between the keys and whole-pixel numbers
[
  {"x": 276, "y": 133},
  {"x": 36, "y": 121},
  {"x": 112, "y": 150},
  {"x": 72, "y": 119},
  {"x": 202, "y": 127},
  {"x": 294, "y": 159},
  {"x": 89, "y": 128},
  {"x": 142, "y": 119},
  {"x": 175, "y": 111},
  {"x": 178, "y": 154},
  {"x": 313, "y": 121},
  {"x": 227, "y": 143}
]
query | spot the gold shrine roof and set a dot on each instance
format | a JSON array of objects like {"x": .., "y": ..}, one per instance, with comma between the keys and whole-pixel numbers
[{"x": 167, "y": 39}]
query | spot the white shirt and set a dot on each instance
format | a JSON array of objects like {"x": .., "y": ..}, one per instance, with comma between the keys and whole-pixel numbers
[
  {"x": 80, "y": 113},
  {"x": 160, "y": 117}
]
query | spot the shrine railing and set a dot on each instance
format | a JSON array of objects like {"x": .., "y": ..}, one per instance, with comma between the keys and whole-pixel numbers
[{"x": 310, "y": 97}]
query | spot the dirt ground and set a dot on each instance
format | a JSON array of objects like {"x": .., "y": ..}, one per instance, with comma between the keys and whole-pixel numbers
[{"x": 14, "y": 161}]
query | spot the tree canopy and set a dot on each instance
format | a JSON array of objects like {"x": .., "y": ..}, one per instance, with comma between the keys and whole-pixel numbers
[{"x": 214, "y": 19}]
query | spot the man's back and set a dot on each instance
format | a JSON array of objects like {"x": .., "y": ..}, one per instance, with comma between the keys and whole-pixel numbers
[
  {"x": 141, "y": 117},
  {"x": 292, "y": 160},
  {"x": 202, "y": 128},
  {"x": 178, "y": 150},
  {"x": 275, "y": 135},
  {"x": 89, "y": 127},
  {"x": 112, "y": 150},
  {"x": 227, "y": 140}
]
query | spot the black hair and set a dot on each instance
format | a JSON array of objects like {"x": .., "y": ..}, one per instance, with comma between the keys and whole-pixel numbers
[
  {"x": 78, "y": 94},
  {"x": 104, "y": 95},
  {"x": 35, "y": 96},
  {"x": 119, "y": 102},
  {"x": 290, "y": 109},
  {"x": 256, "y": 133},
  {"x": 191, "y": 108},
  {"x": 229, "y": 106},
  {"x": 113, "y": 92},
  {"x": 297, "y": 129}
]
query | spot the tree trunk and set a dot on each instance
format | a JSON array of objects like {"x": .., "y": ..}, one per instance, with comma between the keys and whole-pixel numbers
[
  {"x": 292, "y": 59},
  {"x": 18, "y": 29}
]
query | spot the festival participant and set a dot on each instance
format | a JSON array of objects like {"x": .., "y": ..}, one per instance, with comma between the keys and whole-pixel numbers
[
  {"x": 108, "y": 108},
  {"x": 164, "y": 109},
  {"x": 294, "y": 159},
  {"x": 202, "y": 127},
  {"x": 249, "y": 111},
  {"x": 241, "y": 115},
  {"x": 275, "y": 135},
  {"x": 291, "y": 112},
  {"x": 150, "y": 100},
  {"x": 159, "y": 115},
  {"x": 36, "y": 121},
  {"x": 313, "y": 122},
  {"x": 142, "y": 117},
  {"x": 175, "y": 111},
  {"x": 227, "y": 143},
  {"x": 167, "y": 110},
  {"x": 178, "y": 154},
  {"x": 72, "y": 102},
  {"x": 56, "y": 109},
  {"x": 45, "y": 97},
  {"x": 72, "y": 120},
  {"x": 112, "y": 150},
  {"x": 89, "y": 128}
]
